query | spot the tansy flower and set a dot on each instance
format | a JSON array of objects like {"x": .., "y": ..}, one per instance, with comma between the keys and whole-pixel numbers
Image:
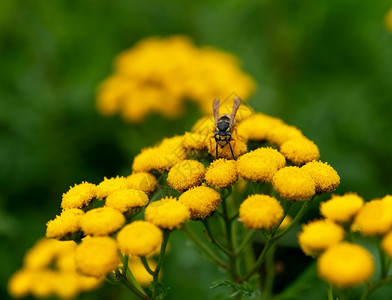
[
  {"x": 97, "y": 256},
  {"x": 66, "y": 285},
  {"x": 257, "y": 126},
  {"x": 237, "y": 143},
  {"x": 346, "y": 265},
  {"x": 324, "y": 176},
  {"x": 300, "y": 150},
  {"x": 375, "y": 217},
  {"x": 195, "y": 141},
  {"x": 293, "y": 183},
  {"x": 42, "y": 283},
  {"x": 19, "y": 285},
  {"x": 260, "y": 212},
  {"x": 386, "y": 243},
  {"x": 204, "y": 126},
  {"x": 341, "y": 208},
  {"x": 282, "y": 133},
  {"x": 101, "y": 221},
  {"x": 260, "y": 164},
  {"x": 142, "y": 181},
  {"x": 108, "y": 186},
  {"x": 139, "y": 271},
  {"x": 140, "y": 238},
  {"x": 167, "y": 213},
  {"x": 317, "y": 236},
  {"x": 79, "y": 195},
  {"x": 186, "y": 174},
  {"x": 64, "y": 224},
  {"x": 126, "y": 200},
  {"x": 221, "y": 173},
  {"x": 201, "y": 201}
]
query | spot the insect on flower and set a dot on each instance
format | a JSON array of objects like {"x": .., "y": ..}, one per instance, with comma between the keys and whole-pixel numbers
[{"x": 224, "y": 125}]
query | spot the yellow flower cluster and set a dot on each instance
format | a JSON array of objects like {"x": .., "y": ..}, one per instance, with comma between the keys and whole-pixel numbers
[
  {"x": 159, "y": 74},
  {"x": 49, "y": 269}
]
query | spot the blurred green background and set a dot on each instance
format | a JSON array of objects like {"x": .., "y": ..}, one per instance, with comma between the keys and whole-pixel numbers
[{"x": 323, "y": 66}]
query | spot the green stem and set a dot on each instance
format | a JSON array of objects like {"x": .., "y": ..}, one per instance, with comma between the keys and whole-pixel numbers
[
  {"x": 270, "y": 272},
  {"x": 330, "y": 292},
  {"x": 213, "y": 240},
  {"x": 249, "y": 236},
  {"x": 146, "y": 265},
  {"x": 203, "y": 247},
  {"x": 373, "y": 286},
  {"x": 133, "y": 288},
  {"x": 155, "y": 276},
  {"x": 260, "y": 260},
  {"x": 381, "y": 256},
  {"x": 125, "y": 264}
]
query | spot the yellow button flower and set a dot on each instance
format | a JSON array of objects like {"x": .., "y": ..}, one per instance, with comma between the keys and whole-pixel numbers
[
  {"x": 293, "y": 183},
  {"x": 64, "y": 224},
  {"x": 346, "y": 265},
  {"x": 19, "y": 284},
  {"x": 260, "y": 212},
  {"x": 195, "y": 141},
  {"x": 282, "y": 133},
  {"x": 204, "y": 126},
  {"x": 375, "y": 217},
  {"x": 126, "y": 200},
  {"x": 341, "y": 208},
  {"x": 142, "y": 181},
  {"x": 167, "y": 213},
  {"x": 97, "y": 256},
  {"x": 201, "y": 201},
  {"x": 108, "y": 186},
  {"x": 79, "y": 195},
  {"x": 317, "y": 236},
  {"x": 186, "y": 174},
  {"x": 101, "y": 221},
  {"x": 257, "y": 127},
  {"x": 221, "y": 173},
  {"x": 260, "y": 164},
  {"x": 324, "y": 176},
  {"x": 300, "y": 150},
  {"x": 140, "y": 238}
]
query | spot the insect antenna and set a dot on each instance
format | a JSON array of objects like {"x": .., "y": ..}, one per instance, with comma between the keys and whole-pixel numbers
[
  {"x": 236, "y": 105},
  {"x": 215, "y": 107}
]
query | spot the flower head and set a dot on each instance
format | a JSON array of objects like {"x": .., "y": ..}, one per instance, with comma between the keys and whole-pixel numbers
[
  {"x": 324, "y": 176},
  {"x": 126, "y": 200},
  {"x": 341, "y": 208},
  {"x": 257, "y": 127},
  {"x": 108, "y": 186},
  {"x": 260, "y": 212},
  {"x": 221, "y": 173},
  {"x": 195, "y": 141},
  {"x": 375, "y": 217},
  {"x": 318, "y": 235},
  {"x": 140, "y": 238},
  {"x": 300, "y": 150},
  {"x": 386, "y": 243},
  {"x": 293, "y": 183},
  {"x": 79, "y": 195},
  {"x": 345, "y": 265},
  {"x": 282, "y": 132},
  {"x": 260, "y": 164},
  {"x": 201, "y": 201},
  {"x": 186, "y": 174},
  {"x": 142, "y": 181},
  {"x": 101, "y": 221},
  {"x": 66, "y": 223},
  {"x": 97, "y": 256},
  {"x": 167, "y": 213}
]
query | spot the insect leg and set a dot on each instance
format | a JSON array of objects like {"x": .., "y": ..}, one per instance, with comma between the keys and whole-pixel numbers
[
  {"x": 216, "y": 149},
  {"x": 231, "y": 149}
]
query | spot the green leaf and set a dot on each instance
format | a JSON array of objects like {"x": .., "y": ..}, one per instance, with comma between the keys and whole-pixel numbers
[
  {"x": 247, "y": 290},
  {"x": 162, "y": 289}
]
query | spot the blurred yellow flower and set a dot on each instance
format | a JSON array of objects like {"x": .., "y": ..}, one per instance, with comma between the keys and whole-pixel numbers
[
  {"x": 346, "y": 265},
  {"x": 341, "y": 208},
  {"x": 316, "y": 236},
  {"x": 157, "y": 75},
  {"x": 300, "y": 150},
  {"x": 386, "y": 243},
  {"x": 282, "y": 132},
  {"x": 186, "y": 174},
  {"x": 260, "y": 212},
  {"x": 195, "y": 141},
  {"x": 324, "y": 176},
  {"x": 374, "y": 218},
  {"x": 101, "y": 221},
  {"x": 139, "y": 271},
  {"x": 126, "y": 200},
  {"x": 221, "y": 173},
  {"x": 257, "y": 127},
  {"x": 142, "y": 181},
  {"x": 201, "y": 201},
  {"x": 139, "y": 238},
  {"x": 108, "y": 186},
  {"x": 167, "y": 213},
  {"x": 79, "y": 195},
  {"x": 293, "y": 183},
  {"x": 66, "y": 223},
  {"x": 97, "y": 256}
]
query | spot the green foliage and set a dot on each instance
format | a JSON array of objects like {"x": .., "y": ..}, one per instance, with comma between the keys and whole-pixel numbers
[{"x": 247, "y": 290}]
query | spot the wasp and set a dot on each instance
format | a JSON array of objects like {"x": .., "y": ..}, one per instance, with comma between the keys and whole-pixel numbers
[{"x": 224, "y": 125}]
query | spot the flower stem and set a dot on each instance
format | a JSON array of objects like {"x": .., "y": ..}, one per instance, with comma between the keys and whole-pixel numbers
[
  {"x": 213, "y": 240},
  {"x": 373, "y": 286},
  {"x": 330, "y": 292},
  {"x": 166, "y": 234},
  {"x": 203, "y": 247},
  {"x": 260, "y": 260},
  {"x": 146, "y": 265},
  {"x": 270, "y": 272},
  {"x": 245, "y": 242}
]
